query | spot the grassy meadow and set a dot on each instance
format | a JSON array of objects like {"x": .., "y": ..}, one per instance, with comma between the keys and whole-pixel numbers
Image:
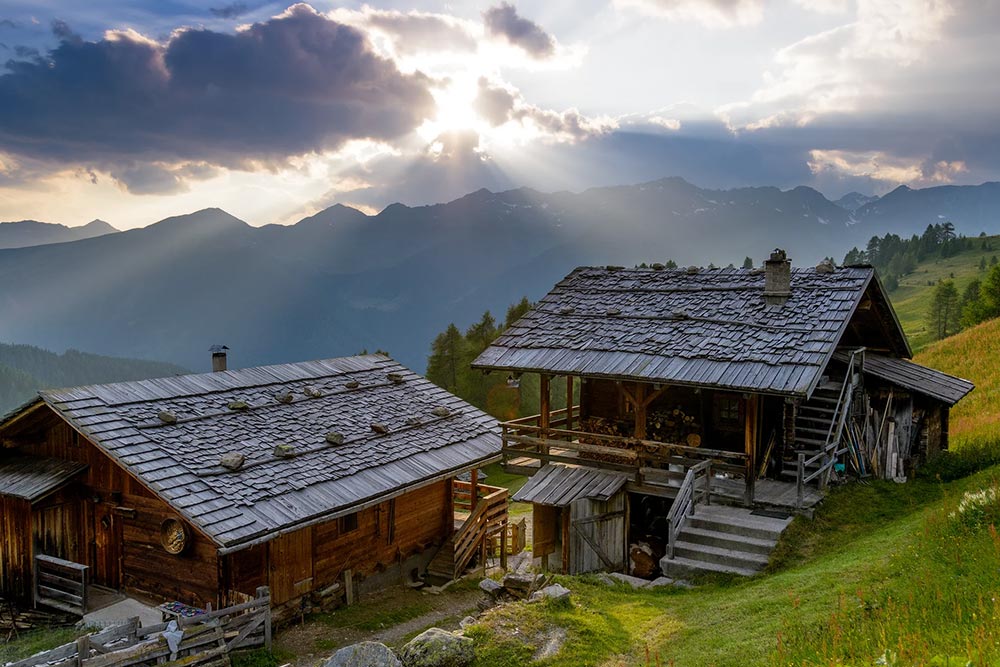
[
  {"x": 973, "y": 354},
  {"x": 912, "y": 299}
]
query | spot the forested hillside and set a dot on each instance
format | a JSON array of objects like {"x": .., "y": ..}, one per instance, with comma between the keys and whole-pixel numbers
[{"x": 24, "y": 369}]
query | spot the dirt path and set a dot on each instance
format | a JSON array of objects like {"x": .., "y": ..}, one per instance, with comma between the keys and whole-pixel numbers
[{"x": 391, "y": 616}]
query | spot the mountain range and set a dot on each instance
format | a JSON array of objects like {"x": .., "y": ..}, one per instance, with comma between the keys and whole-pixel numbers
[
  {"x": 341, "y": 281},
  {"x": 26, "y": 233}
]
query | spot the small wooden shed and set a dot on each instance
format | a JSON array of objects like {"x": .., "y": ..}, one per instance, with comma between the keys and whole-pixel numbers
[{"x": 307, "y": 477}]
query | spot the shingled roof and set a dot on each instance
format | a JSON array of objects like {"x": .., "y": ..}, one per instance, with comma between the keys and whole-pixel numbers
[
  {"x": 430, "y": 434},
  {"x": 705, "y": 327}
]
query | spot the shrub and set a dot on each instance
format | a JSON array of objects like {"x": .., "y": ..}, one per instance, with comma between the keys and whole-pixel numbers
[{"x": 977, "y": 509}]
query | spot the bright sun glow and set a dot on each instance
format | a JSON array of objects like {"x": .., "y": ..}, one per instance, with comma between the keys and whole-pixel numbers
[{"x": 455, "y": 110}]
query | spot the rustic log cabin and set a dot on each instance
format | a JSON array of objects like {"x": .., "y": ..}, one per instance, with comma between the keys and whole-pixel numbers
[
  {"x": 713, "y": 403},
  {"x": 317, "y": 478}
]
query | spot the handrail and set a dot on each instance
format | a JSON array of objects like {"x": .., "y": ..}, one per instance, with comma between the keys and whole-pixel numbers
[
  {"x": 674, "y": 447},
  {"x": 684, "y": 504},
  {"x": 489, "y": 514}
]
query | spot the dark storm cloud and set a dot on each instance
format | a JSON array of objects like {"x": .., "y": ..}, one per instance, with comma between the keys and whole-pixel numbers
[
  {"x": 231, "y": 11},
  {"x": 292, "y": 85},
  {"x": 504, "y": 21}
]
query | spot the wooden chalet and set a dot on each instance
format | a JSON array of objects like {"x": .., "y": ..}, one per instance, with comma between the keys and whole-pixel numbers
[
  {"x": 708, "y": 398},
  {"x": 323, "y": 477}
]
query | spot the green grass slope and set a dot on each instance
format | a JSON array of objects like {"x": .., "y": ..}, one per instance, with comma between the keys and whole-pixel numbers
[
  {"x": 882, "y": 572},
  {"x": 912, "y": 299},
  {"x": 973, "y": 354}
]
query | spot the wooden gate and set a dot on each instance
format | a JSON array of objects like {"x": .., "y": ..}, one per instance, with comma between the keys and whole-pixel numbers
[{"x": 597, "y": 535}]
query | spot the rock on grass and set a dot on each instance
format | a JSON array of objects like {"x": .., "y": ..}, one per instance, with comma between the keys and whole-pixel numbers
[{"x": 438, "y": 648}]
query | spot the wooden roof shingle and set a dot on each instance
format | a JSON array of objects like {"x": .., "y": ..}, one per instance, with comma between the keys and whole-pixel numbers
[
  {"x": 269, "y": 494},
  {"x": 710, "y": 327}
]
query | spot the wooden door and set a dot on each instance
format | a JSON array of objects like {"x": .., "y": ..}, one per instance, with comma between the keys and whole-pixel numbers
[
  {"x": 597, "y": 535},
  {"x": 291, "y": 565},
  {"x": 106, "y": 568}
]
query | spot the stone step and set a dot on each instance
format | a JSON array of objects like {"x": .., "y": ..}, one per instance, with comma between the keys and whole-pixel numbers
[
  {"x": 737, "y": 521},
  {"x": 719, "y": 556},
  {"x": 681, "y": 568},
  {"x": 714, "y": 538}
]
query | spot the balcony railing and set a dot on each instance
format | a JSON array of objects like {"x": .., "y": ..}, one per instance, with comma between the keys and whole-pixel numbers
[{"x": 650, "y": 464}]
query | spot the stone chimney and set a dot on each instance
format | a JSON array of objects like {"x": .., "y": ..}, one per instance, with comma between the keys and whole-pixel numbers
[
  {"x": 218, "y": 357},
  {"x": 777, "y": 278}
]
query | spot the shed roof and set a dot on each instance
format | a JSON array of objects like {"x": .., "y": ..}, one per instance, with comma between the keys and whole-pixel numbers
[
  {"x": 251, "y": 411},
  {"x": 559, "y": 485},
  {"x": 709, "y": 328},
  {"x": 32, "y": 478},
  {"x": 918, "y": 379}
]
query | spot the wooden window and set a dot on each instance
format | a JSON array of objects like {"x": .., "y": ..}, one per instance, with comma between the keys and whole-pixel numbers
[
  {"x": 727, "y": 412},
  {"x": 348, "y": 523}
]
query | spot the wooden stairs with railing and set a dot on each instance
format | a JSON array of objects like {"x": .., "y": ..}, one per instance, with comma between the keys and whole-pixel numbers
[
  {"x": 486, "y": 518},
  {"x": 813, "y": 421}
]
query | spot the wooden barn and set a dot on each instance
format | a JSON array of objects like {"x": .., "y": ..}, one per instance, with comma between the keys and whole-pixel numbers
[
  {"x": 709, "y": 400},
  {"x": 324, "y": 477}
]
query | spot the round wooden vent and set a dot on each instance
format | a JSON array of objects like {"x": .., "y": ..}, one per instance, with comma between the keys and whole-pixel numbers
[{"x": 173, "y": 536}]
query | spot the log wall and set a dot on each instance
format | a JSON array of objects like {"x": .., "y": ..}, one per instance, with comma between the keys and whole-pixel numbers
[
  {"x": 315, "y": 557},
  {"x": 109, "y": 521}
]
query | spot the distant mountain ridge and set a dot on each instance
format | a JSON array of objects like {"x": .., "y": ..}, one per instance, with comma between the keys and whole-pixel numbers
[
  {"x": 26, "y": 233},
  {"x": 24, "y": 369},
  {"x": 341, "y": 281}
]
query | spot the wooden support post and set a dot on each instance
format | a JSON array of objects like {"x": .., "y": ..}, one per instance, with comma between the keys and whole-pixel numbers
[
  {"x": 349, "y": 586},
  {"x": 82, "y": 649},
  {"x": 503, "y": 547},
  {"x": 564, "y": 515},
  {"x": 751, "y": 406},
  {"x": 474, "y": 488},
  {"x": 569, "y": 403},
  {"x": 264, "y": 594},
  {"x": 544, "y": 409},
  {"x": 640, "y": 410}
]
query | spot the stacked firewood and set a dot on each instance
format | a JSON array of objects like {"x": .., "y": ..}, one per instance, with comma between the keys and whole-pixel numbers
[
  {"x": 599, "y": 427},
  {"x": 673, "y": 426}
]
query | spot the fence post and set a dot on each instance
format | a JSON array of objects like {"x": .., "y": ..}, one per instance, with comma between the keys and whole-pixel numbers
[{"x": 264, "y": 594}]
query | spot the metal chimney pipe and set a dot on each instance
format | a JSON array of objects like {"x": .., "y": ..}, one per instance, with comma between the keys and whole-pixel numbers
[{"x": 218, "y": 357}]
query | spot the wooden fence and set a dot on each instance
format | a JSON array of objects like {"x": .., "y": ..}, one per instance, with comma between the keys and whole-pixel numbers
[
  {"x": 60, "y": 584},
  {"x": 208, "y": 639},
  {"x": 514, "y": 540}
]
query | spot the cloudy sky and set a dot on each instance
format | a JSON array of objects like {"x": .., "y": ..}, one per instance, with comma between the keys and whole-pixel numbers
[{"x": 133, "y": 111}]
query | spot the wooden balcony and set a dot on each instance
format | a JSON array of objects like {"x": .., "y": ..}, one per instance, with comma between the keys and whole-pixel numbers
[{"x": 655, "y": 468}]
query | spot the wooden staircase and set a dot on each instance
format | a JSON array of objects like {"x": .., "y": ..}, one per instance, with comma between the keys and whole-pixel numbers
[
  {"x": 487, "y": 517},
  {"x": 813, "y": 421}
]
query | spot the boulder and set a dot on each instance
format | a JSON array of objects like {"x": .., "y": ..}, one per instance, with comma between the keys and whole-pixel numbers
[
  {"x": 521, "y": 584},
  {"x": 556, "y": 592},
  {"x": 365, "y": 654},
  {"x": 438, "y": 648},
  {"x": 491, "y": 587}
]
